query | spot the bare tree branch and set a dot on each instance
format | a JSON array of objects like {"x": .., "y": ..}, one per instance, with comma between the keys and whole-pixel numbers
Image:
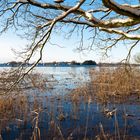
[
  {"x": 129, "y": 36},
  {"x": 127, "y": 10},
  {"x": 102, "y": 23}
]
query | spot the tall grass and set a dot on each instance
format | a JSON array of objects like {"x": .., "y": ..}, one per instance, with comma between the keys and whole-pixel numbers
[
  {"x": 115, "y": 83},
  {"x": 106, "y": 85}
]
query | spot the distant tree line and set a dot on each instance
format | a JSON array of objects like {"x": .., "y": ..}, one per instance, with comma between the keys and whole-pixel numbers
[{"x": 72, "y": 63}]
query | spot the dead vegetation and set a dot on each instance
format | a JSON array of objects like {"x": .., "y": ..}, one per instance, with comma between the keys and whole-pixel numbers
[
  {"x": 116, "y": 83},
  {"x": 110, "y": 85},
  {"x": 9, "y": 83}
]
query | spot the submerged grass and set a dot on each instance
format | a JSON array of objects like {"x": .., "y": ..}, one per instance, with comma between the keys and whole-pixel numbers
[{"x": 71, "y": 117}]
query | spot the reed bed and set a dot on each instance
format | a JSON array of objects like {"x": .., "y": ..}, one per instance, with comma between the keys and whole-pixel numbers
[
  {"x": 72, "y": 116},
  {"x": 116, "y": 84},
  {"x": 11, "y": 85}
]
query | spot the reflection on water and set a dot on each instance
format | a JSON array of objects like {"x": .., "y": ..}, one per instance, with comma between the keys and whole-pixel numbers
[
  {"x": 58, "y": 117},
  {"x": 64, "y": 79}
]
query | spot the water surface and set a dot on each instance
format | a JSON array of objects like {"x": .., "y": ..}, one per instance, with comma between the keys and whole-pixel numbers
[{"x": 81, "y": 119}]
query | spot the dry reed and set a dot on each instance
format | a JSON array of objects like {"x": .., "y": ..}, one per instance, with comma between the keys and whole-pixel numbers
[
  {"x": 118, "y": 83},
  {"x": 105, "y": 85}
]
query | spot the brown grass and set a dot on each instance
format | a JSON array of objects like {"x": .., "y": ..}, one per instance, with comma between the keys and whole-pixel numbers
[
  {"x": 9, "y": 84},
  {"x": 117, "y": 84},
  {"x": 106, "y": 85},
  {"x": 14, "y": 102},
  {"x": 110, "y": 84}
]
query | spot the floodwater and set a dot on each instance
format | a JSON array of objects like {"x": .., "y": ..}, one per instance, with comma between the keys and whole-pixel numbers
[{"x": 52, "y": 116}]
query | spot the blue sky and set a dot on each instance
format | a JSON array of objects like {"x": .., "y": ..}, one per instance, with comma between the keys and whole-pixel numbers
[
  {"x": 66, "y": 52},
  {"x": 10, "y": 40}
]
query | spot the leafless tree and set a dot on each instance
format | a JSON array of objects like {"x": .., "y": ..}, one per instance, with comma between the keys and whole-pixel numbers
[{"x": 104, "y": 23}]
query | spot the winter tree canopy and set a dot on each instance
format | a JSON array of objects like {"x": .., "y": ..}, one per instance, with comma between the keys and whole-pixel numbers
[{"x": 108, "y": 22}]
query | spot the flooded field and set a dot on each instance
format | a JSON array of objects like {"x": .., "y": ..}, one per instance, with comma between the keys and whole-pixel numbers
[{"x": 54, "y": 114}]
